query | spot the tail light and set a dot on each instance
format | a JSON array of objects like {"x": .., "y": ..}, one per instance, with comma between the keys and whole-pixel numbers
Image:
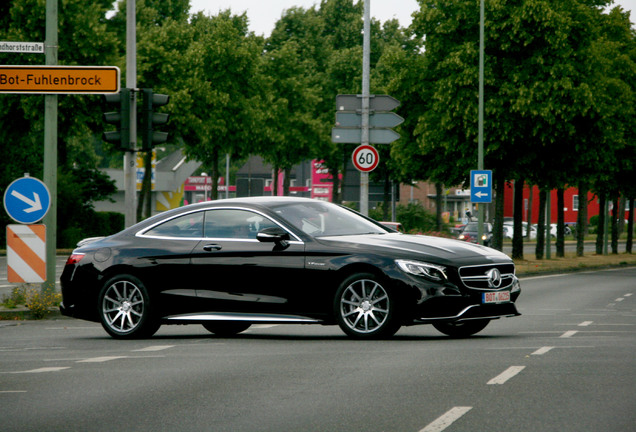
[{"x": 74, "y": 258}]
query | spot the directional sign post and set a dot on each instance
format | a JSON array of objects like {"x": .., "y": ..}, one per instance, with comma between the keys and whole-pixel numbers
[
  {"x": 347, "y": 102},
  {"x": 348, "y": 128},
  {"x": 27, "y": 200},
  {"x": 377, "y": 120},
  {"x": 354, "y": 135},
  {"x": 481, "y": 186},
  {"x": 59, "y": 79}
]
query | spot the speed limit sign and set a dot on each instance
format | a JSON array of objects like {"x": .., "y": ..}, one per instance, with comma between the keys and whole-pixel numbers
[{"x": 365, "y": 158}]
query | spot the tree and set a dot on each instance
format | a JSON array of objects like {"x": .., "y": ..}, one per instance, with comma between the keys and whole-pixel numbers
[
  {"x": 221, "y": 103},
  {"x": 291, "y": 126},
  {"x": 84, "y": 38}
]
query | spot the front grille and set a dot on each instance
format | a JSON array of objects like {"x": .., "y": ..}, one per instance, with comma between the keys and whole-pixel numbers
[{"x": 483, "y": 277}]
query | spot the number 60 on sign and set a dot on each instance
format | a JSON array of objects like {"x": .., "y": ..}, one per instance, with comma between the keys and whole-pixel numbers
[{"x": 365, "y": 158}]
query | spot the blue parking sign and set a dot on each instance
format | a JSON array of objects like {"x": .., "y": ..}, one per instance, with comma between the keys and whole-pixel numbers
[
  {"x": 27, "y": 200},
  {"x": 481, "y": 186}
]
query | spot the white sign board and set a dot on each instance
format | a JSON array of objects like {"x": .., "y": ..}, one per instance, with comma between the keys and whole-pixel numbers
[{"x": 22, "y": 47}]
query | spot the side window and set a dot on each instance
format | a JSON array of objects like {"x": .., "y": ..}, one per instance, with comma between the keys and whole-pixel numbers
[
  {"x": 234, "y": 224},
  {"x": 186, "y": 226}
]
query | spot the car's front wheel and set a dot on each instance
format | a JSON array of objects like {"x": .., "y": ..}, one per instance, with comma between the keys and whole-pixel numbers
[
  {"x": 461, "y": 329},
  {"x": 366, "y": 308},
  {"x": 125, "y": 309}
]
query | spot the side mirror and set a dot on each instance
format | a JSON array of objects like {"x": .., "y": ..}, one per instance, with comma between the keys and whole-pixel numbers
[{"x": 274, "y": 235}]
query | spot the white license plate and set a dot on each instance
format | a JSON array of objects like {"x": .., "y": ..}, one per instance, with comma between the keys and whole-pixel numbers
[{"x": 496, "y": 297}]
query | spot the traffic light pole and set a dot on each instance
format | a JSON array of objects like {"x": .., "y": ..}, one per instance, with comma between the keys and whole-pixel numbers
[{"x": 130, "y": 174}]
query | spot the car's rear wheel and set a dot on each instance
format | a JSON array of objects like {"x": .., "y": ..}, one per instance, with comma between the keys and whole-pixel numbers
[
  {"x": 226, "y": 328},
  {"x": 125, "y": 309},
  {"x": 366, "y": 308},
  {"x": 461, "y": 329}
]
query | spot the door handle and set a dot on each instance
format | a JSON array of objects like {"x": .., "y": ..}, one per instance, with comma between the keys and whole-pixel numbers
[{"x": 212, "y": 247}]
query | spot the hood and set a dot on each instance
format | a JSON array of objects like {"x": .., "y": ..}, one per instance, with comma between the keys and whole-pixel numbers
[{"x": 437, "y": 249}]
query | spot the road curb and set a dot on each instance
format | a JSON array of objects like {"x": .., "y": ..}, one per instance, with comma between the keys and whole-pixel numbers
[{"x": 25, "y": 314}]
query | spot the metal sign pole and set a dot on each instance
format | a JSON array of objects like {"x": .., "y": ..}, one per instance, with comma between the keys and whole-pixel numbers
[
  {"x": 366, "y": 50},
  {"x": 480, "y": 149},
  {"x": 50, "y": 149}
]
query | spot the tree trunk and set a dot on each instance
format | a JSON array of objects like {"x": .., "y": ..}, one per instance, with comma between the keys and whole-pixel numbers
[
  {"x": 630, "y": 226},
  {"x": 600, "y": 231},
  {"x": 529, "y": 213},
  {"x": 581, "y": 223},
  {"x": 286, "y": 181},
  {"x": 560, "y": 240},
  {"x": 275, "y": 180},
  {"x": 540, "y": 246},
  {"x": 497, "y": 236},
  {"x": 386, "y": 207},
  {"x": 439, "y": 200},
  {"x": 517, "y": 236},
  {"x": 214, "y": 193},
  {"x": 615, "y": 215}
]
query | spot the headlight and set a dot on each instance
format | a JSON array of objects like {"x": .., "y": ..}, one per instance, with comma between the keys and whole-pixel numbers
[
  {"x": 461, "y": 237},
  {"x": 430, "y": 271}
]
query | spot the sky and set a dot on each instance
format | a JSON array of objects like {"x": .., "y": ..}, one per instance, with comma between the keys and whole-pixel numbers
[{"x": 263, "y": 14}]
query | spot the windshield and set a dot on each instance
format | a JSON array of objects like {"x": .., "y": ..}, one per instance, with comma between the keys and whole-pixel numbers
[{"x": 324, "y": 219}]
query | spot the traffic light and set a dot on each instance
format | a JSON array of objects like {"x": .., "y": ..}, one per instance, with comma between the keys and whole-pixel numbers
[
  {"x": 119, "y": 118},
  {"x": 149, "y": 136}
]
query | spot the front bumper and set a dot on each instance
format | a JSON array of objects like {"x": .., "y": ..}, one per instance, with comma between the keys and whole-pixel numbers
[{"x": 472, "y": 312}]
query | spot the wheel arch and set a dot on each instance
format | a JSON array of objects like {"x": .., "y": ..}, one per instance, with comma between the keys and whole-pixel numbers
[{"x": 406, "y": 294}]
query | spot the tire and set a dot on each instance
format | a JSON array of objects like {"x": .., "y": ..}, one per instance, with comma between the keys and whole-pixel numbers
[
  {"x": 365, "y": 307},
  {"x": 125, "y": 309},
  {"x": 226, "y": 328},
  {"x": 461, "y": 329}
]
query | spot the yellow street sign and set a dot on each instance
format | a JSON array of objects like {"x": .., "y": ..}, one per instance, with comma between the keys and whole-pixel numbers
[{"x": 59, "y": 79}]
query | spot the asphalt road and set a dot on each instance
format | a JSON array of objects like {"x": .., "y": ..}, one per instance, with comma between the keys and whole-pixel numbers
[{"x": 567, "y": 364}]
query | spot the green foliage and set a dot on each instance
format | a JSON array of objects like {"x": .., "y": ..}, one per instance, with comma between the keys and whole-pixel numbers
[
  {"x": 15, "y": 299},
  {"x": 559, "y": 82},
  {"x": 40, "y": 304},
  {"x": 413, "y": 217}
]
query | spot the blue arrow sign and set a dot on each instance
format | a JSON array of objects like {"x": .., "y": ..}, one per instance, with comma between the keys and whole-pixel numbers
[
  {"x": 27, "y": 200},
  {"x": 481, "y": 186}
]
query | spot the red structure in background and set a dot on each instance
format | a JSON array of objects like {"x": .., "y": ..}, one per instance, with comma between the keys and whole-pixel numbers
[{"x": 570, "y": 206}]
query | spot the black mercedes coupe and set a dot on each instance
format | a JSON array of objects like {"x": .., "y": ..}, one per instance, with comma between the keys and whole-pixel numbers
[{"x": 231, "y": 263}]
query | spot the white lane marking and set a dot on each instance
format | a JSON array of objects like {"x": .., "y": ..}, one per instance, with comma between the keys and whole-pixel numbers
[
  {"x": 100, "y": 359},
  {"x": 43, "y": 370},
  {"x": 446, "y": 420},
  {"x": 13, "y": 391},
  {"x": 620, "y": 299},
  {"x": 542, "y": 350},
  {"x": 627, "y": 295},
  {"x": 154, "y": 348},
  {"x": 585, "y": 323},
  {"x": 506, "y": 375},
  {"x": 569, "y": 333}
]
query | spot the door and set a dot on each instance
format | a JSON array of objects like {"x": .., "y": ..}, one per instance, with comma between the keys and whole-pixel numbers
[{"x": 236, "y": 272}]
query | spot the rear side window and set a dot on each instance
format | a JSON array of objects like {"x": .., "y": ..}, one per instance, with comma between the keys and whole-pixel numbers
[{"x": 186, "y": 226}]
